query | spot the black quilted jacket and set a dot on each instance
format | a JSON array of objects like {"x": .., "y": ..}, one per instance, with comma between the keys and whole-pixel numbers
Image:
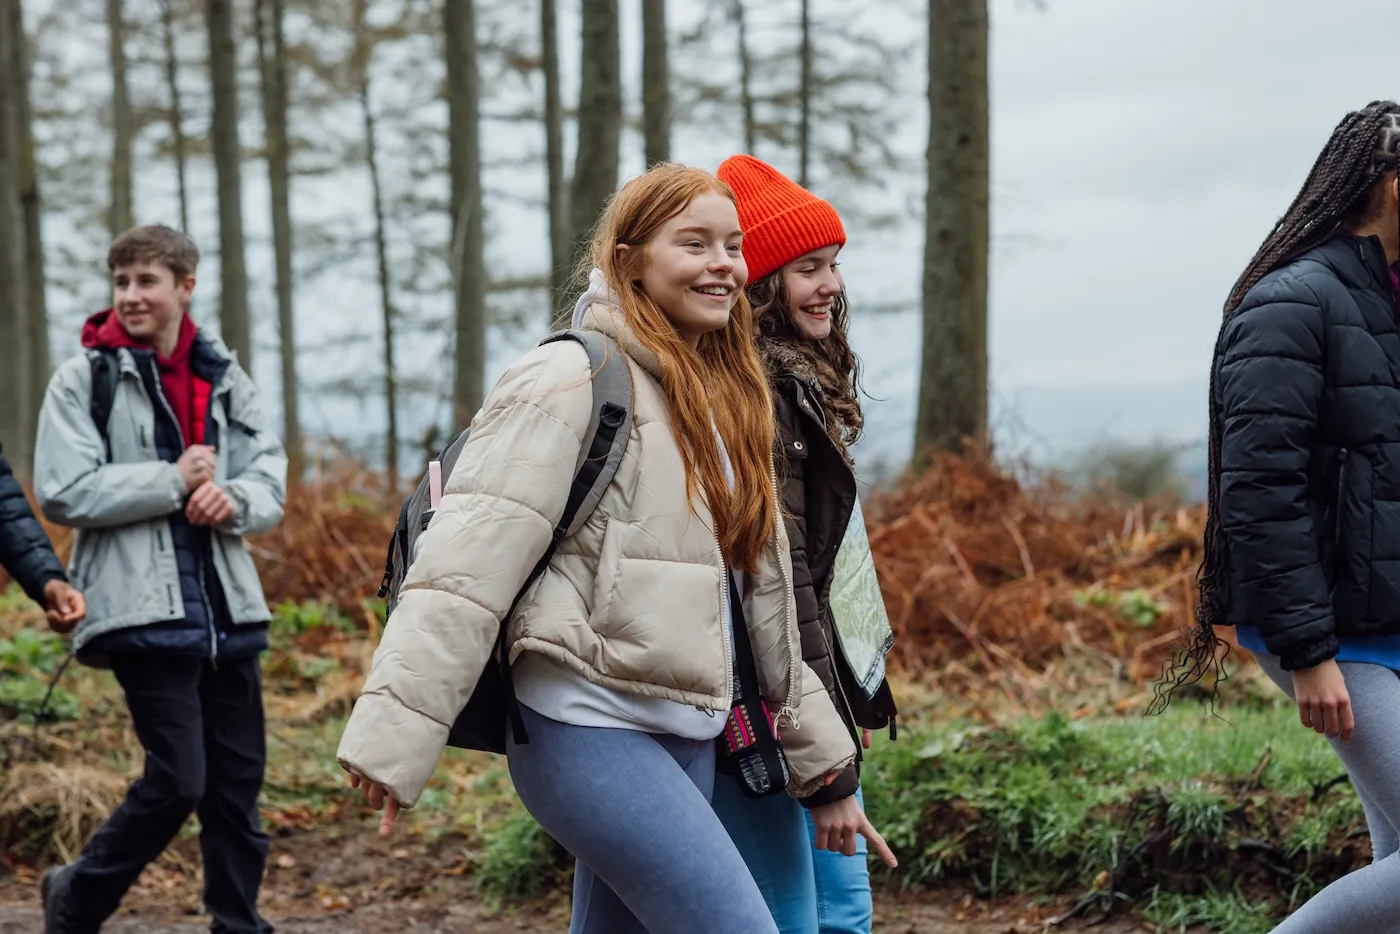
[
  {"x": 25, "y": 550},
  {"x": 1308, "y": 390}
]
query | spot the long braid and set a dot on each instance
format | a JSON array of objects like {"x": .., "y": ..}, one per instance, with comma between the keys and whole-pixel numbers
[{"x": 1361, "y": 150}]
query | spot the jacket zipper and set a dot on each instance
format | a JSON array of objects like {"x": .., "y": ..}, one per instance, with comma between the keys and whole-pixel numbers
[
  {"x": 724, "y": 621},
  {"x": 787, "y": 711},
  {"x": 203, "y": 592},
  {"x": 1341, "y": 491}
]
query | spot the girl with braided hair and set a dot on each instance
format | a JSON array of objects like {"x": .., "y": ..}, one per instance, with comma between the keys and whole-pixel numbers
[{"x": 1302, "y": 549}]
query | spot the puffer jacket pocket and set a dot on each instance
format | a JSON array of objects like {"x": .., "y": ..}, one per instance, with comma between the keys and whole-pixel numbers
[{"x": 1351, "y": 538}]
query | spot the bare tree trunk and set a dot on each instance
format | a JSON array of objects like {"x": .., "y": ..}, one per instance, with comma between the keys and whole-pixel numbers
[
  {"x": 36, "y": 304},
  {"x": 559, "y": 272},
  {"x": 468, "y": 223},
  {"x": 176, "y": 116},
  {"x": 599, "y": 123},
  {"x": 272, "y": 59},
  {"x": 804, "y": 129},
  {"x": 745, "y": 77},
  {"x": 223, "y": 71},
  {"x": 119, "y": 216},
  {"x": 953, "y": 383},
  {"x": 656, "y": 83},
  {"x": 15, "y": 435},
  {"x": 362, "y": 56}
]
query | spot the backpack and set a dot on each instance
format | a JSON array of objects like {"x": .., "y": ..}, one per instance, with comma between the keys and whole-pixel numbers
[
  {"x": 105, "y": 373},
  {"x": 482, "y": 723}
]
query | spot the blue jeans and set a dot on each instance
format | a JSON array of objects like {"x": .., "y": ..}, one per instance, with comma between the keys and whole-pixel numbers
[
  {"x": 633, "y": 808},
  {"x": 808, "y": 890}
]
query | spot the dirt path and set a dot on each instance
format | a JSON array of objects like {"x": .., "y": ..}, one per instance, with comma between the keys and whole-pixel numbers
[
  {"x": 341, "y": 878},
  {"x": 901, "y": 917}
]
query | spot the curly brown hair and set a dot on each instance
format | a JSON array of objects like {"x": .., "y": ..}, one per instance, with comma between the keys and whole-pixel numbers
[{"x": 829, "y": 363}]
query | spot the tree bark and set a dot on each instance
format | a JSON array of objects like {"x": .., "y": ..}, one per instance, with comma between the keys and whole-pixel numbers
[
  {"x": 272, "y": 59},
  {"x": 363, "y": 54},
  {"x": 656, "y": 83},
  {"x": 558, "y": 194},
  {"x": 746, "y": 78},
  {"x": 14, "y": 374},
  {"x": 35, "y": 309},
  {"x": 223, "y": 72},
  {"x": 599, "y": 123},
  {"x": 804, "y": 127},
  {"x": 176, "y": 114},
  {"x": 119, "y": 212},
  {"x": 468, "y": 223},
  {"x": 953, "y": 381}
]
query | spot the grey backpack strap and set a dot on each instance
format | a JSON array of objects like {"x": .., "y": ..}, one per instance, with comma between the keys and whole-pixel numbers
[
  {"x": 608, "y": 428},
  {"x": 603, "y": 447}
]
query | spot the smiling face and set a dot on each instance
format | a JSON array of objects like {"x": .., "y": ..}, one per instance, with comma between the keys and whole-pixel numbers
[
  {"x": 149, "y": 301},
  {"x": 812, "y": 283},
  {"x": 694, "y": 267}
]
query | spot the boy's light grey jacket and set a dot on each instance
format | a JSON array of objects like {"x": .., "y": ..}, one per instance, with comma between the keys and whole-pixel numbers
[{"x": 124, "y": 559}]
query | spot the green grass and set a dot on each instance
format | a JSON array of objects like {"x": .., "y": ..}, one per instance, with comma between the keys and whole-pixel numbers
[
  {"x": 1160, "y": 811},
  {"x": 1227, "y": 912}
]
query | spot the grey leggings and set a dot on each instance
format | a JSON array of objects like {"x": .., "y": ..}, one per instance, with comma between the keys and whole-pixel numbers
[
  {"x": 634, "y": 809},
  {"x": 1369, "y": 898}
]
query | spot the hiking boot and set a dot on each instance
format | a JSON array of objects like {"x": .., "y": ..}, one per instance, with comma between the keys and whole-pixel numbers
[{"x": 58, "y": 913}]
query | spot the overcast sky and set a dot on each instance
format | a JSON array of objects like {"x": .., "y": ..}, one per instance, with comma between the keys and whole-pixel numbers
[{"x": 1141, "y": 151}]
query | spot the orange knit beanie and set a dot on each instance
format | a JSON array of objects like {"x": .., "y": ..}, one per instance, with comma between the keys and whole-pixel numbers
[{"x": 781, "y": 220}]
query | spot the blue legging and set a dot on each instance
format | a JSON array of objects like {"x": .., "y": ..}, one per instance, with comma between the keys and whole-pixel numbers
[
  {"x": 809, "y": 891},
  {"x": 634, "y": 810}
]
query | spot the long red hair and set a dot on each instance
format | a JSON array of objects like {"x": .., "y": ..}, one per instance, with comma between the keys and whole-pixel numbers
[{"x": 723, "y": 377}]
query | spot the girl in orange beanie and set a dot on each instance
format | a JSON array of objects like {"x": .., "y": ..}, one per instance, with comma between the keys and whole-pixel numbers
[{"x": 809, "y": 858}]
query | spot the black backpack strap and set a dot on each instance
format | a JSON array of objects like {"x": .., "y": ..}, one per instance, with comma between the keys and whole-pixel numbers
[
  {"x": 599, "y": 456},
  {"x": 105, "y": 373}
]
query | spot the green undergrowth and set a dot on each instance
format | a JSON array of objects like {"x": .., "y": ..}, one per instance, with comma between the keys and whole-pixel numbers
[
  {"x": 1195, "y": 822},
  {"x": 1196, "y": 819}
]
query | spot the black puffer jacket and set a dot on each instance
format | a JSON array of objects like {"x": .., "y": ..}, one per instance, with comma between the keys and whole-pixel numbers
[
  {"x": 1308, "y": 390},
  {"x": 25, "y": 550},
  {"x": 819, "y": 494}
]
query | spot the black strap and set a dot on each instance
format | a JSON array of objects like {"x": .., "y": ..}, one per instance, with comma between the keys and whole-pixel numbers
[
  {"x": 773, "y": 778},
  {"x": 743, "y": 650},
  {"x": 103, "y": 365},
  {"x": 610, "y": 420}
]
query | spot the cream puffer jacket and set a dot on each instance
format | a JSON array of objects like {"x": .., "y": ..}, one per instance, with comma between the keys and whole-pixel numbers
[{"x": 633, "y": 601}]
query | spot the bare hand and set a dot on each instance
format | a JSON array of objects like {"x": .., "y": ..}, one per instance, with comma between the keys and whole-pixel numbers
[
  {"x": 839, "y": 823},
  {"x": 865, "y": 736},
  {"x": 1323, "y": 702},
  {"x": 209, "y": 505},
  {"x": 64, "y": 606},
  {"x": 196, "y": 465},
  {"x": 377, "y": 796}
]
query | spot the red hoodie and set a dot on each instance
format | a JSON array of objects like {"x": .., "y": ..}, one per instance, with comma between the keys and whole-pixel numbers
[{"x": 187, "y": 394}]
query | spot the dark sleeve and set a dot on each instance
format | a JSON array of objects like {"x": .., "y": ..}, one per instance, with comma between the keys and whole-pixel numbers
[
  {"x": 792, "y": 480},
  {"x": 792, "y": 476},
  {"x": 845, "y": 785},
  {"x": 25, "y": 550},
  {"x": 1270, "y": 388}
]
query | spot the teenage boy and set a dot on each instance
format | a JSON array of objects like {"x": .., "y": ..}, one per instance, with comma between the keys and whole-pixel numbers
[{"x": 153, "y": 446}]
